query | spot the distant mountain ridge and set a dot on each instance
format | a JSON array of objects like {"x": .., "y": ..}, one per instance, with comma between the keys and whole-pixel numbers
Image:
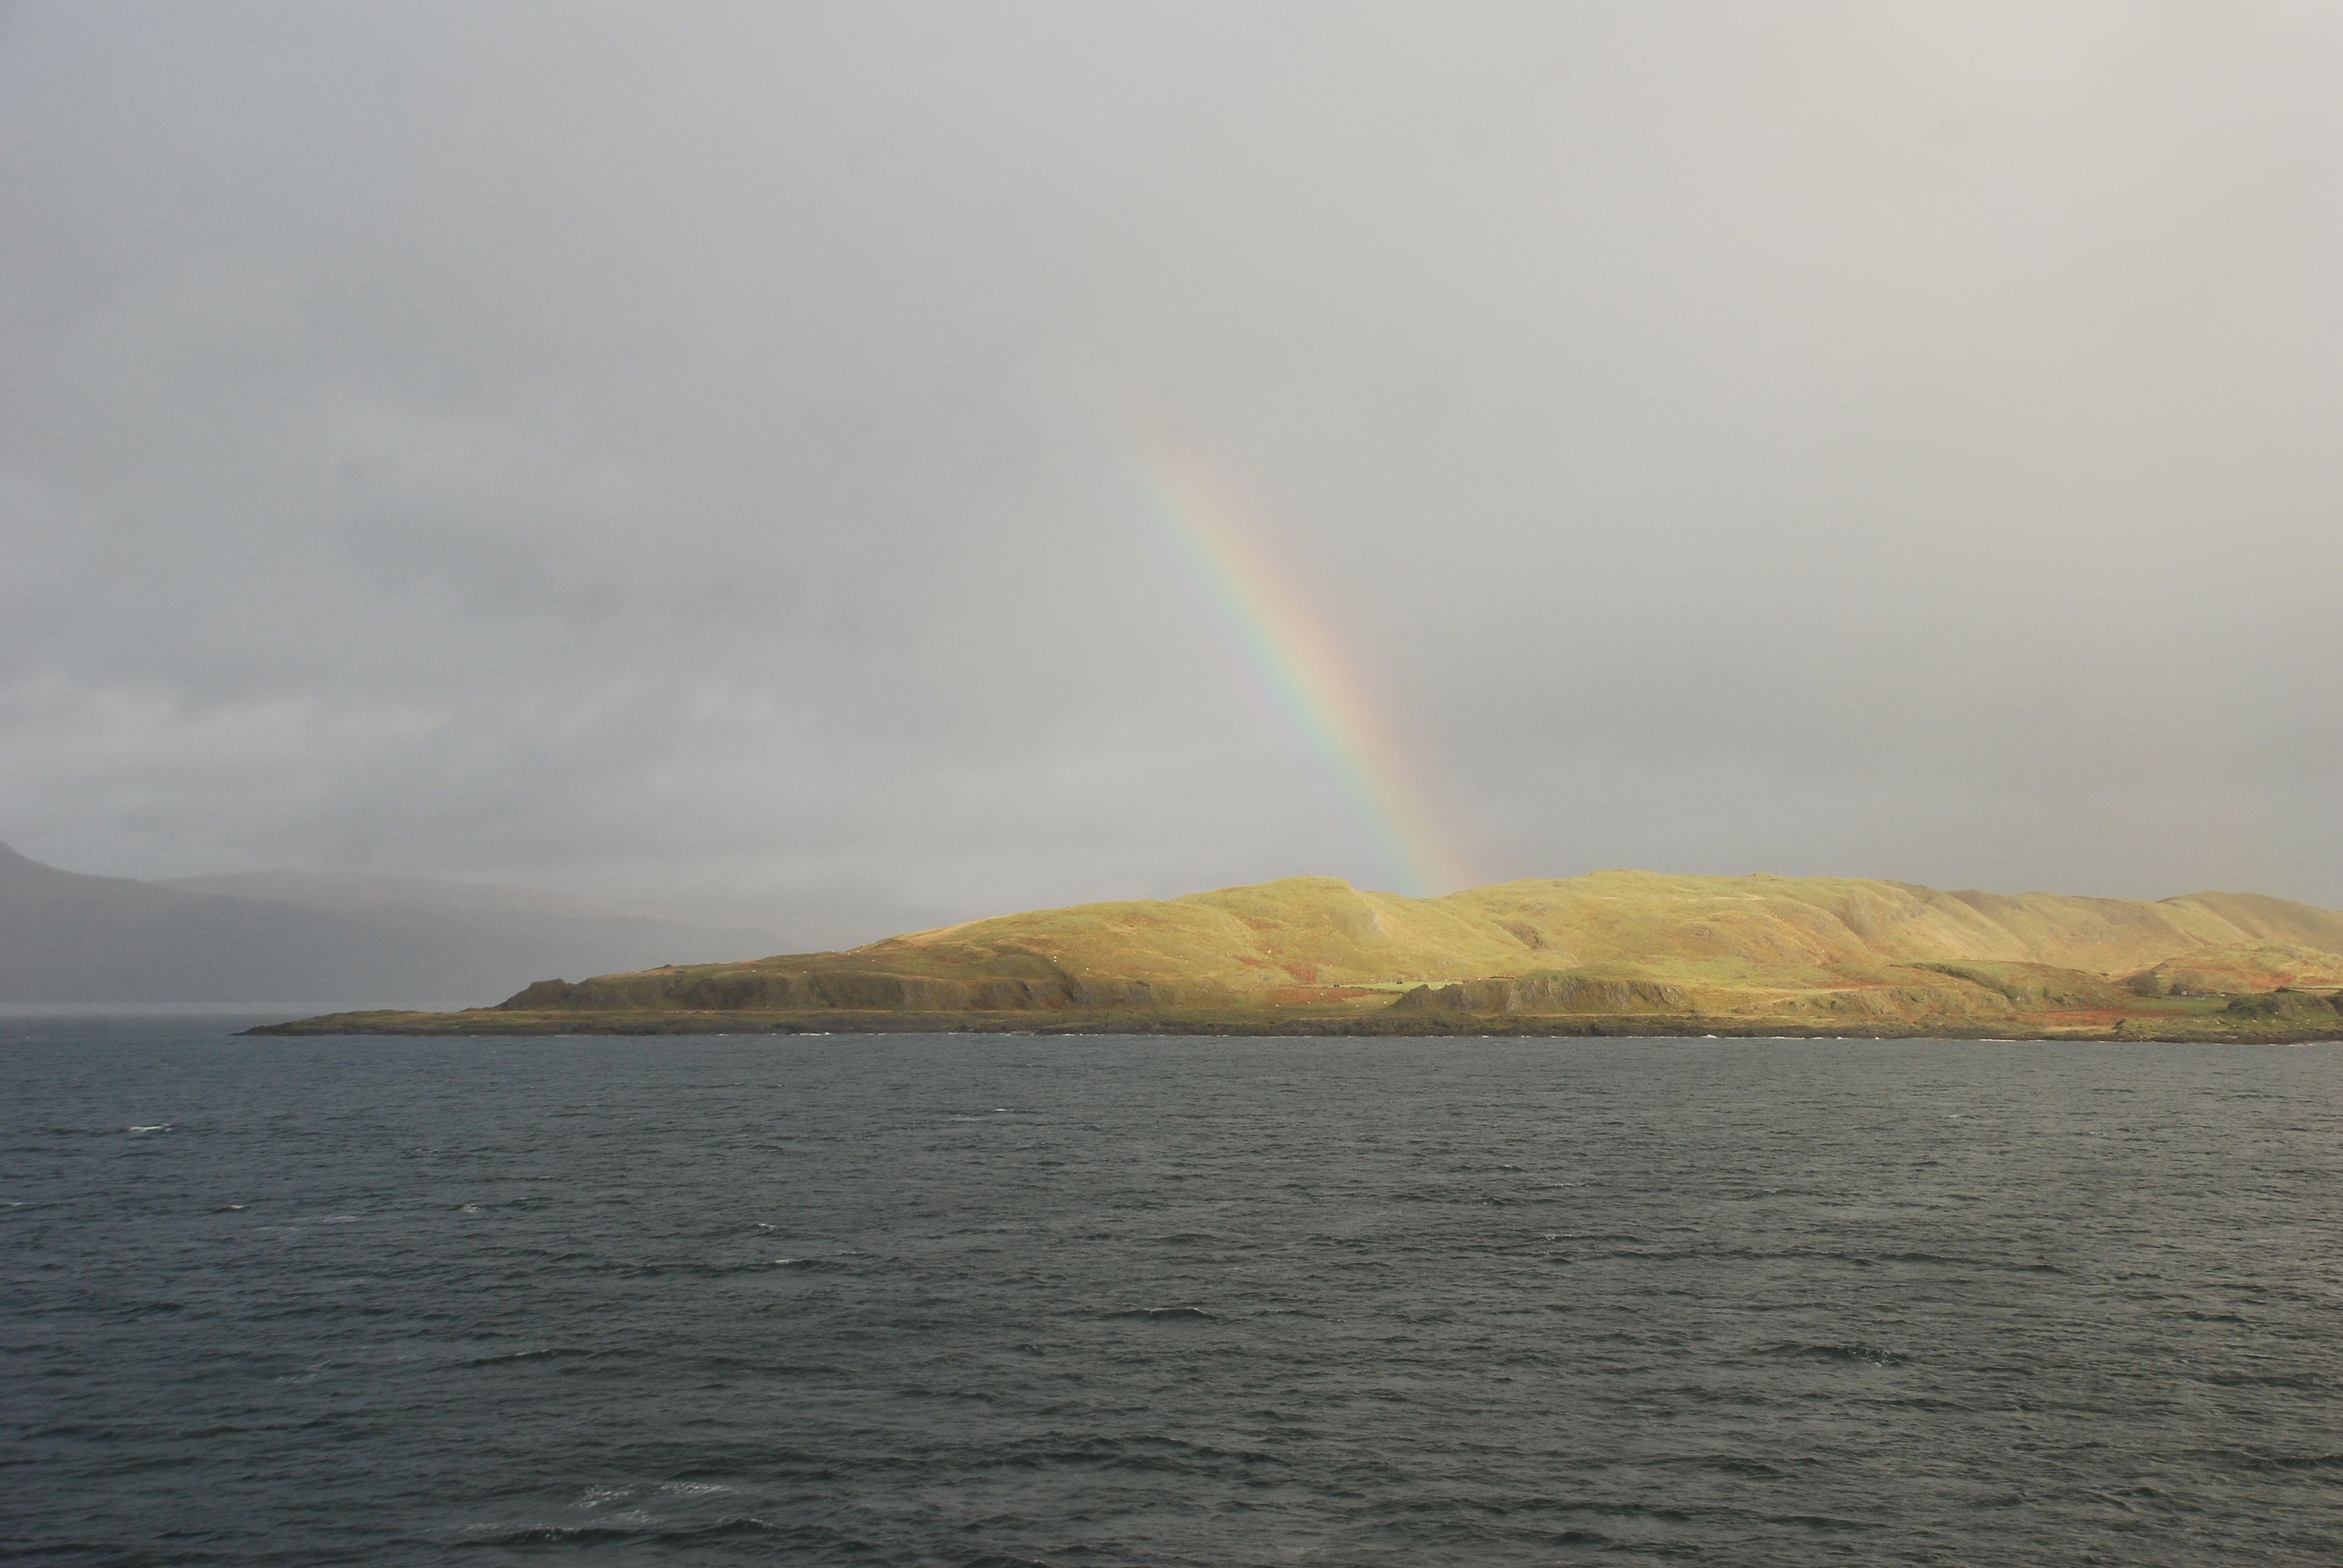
[
  {"x": 1740, "y": 951},
  {"x": 1319, "y": 931},
  {"x": 280, "y": 938}
]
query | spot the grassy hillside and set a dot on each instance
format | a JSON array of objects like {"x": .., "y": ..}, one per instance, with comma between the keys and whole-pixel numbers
[
  {"x": 2242, "y": 969},
  {"x": 1627, "y": 944}
]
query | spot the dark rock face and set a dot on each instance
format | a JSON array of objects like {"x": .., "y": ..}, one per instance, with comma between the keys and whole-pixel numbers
[
  {"x": 620, "y": 990},
  {"x": 1011, "y": 995},
  {"x": 743, "y": 990},
  {"x": 538, "y": 995},
  {"x": 733, "y": 993},
  {"x": 1558, "y": 991},
  {"x": 795, "y": 991},
  {"x": 2031, "y": 985}
]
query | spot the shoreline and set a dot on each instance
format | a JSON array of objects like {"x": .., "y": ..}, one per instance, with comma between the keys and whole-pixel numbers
[{"x": 485, "y": 1022}]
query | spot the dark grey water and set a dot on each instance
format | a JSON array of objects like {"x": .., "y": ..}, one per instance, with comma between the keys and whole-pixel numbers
[{"x": 1007, "y": 1301}]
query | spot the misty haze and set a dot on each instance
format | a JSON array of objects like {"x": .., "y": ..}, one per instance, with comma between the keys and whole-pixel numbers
[{"x": 705, "y": 460}]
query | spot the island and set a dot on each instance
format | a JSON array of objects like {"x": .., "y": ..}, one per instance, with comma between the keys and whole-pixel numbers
[{"x": 1609, "y": 953}]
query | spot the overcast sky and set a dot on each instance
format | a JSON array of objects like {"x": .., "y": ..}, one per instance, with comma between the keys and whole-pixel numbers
[{"x": 685, "y": 453}]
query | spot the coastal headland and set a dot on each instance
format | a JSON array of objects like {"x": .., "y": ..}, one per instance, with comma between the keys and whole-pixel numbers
[{"x": 1610, "y": 953}]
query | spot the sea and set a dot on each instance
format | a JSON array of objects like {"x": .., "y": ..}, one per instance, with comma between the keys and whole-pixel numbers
[{"x": 1001, "y": 1301}]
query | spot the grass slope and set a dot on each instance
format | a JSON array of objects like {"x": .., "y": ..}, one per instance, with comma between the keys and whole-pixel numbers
[{"x": 1808, "y": 954}]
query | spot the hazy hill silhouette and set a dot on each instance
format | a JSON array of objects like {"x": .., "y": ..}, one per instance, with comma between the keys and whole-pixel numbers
[{"x": 376, "y": 942}]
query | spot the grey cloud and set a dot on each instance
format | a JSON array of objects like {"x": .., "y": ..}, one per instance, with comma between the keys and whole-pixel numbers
[{"x": 676, "y": 453}]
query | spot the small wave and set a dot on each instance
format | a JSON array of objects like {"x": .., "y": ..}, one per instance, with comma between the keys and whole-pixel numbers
[
  {"x": 1852, "y": 1352},
  {"x": 157, "y": 1127},
  {"x": 1723, "y": 1464},
  {"x": 1816, "y": 1520},
  {"x": 548, "y": 1536},
  {"x": 683, "y": 1268},
  {"x": 1954, "y": 1260},
  {"x": 542, "y": 1353},
  {"x": 2264, "y": 1380},
  {"x": 1163, "y": 1313},
  {"x": 722, "y": 1530},
  {"x": 1139, "y": 1454},
  {"x": 2284, "y": 1463},
  {"x": 229, "y": 1209},
  {"x": 612, "y": 1530}
]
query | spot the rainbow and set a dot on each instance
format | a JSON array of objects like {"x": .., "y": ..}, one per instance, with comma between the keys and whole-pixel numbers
[{"x": 1306, "y": 668}]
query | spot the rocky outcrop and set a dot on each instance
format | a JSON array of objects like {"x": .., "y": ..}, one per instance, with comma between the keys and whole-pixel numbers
[
  {"x": 2039, "y": 985},
  {"x": 745, "y": 990},
  {"x": 1556, "y": 991},
  {"x": 1567, "y": 993},
  {"x": 754, "y": 988},
  {"x": 1909, "y": 1003},
  {"x": 2289, "y": 1007}
]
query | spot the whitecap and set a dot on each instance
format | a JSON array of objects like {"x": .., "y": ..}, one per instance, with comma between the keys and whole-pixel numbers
[{"x": 158, "y": 1126}]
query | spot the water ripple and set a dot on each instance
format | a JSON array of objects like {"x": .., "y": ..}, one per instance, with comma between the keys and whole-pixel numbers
[{"x": 1307, "y": 1303}]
